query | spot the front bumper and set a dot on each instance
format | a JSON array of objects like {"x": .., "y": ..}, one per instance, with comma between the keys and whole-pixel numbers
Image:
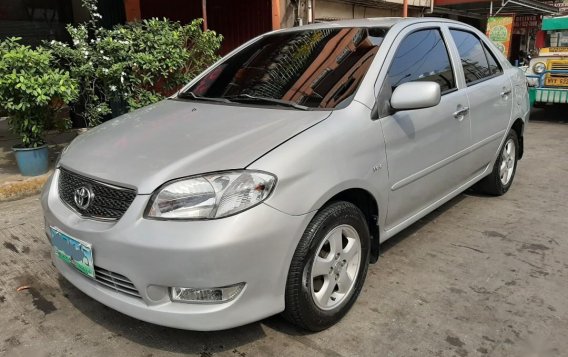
[
  {"x": 548, "y": 95},
  {"x": 255, "y": 247}
]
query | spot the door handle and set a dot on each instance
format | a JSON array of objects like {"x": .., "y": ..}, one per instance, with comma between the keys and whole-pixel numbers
[
  {"x": 460, "y": 113},
  {"x": 505, "y": 92}
]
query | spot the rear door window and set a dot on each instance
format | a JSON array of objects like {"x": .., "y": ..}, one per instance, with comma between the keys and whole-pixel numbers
[
  {"x": 478, "y": 64},
  {"x": 494, "y": 66}
]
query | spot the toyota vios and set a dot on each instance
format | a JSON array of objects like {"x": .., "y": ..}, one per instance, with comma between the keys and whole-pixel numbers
[{"x": 268, "y": 183}]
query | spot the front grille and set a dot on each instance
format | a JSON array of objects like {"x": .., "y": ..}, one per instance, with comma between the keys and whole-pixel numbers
[
  {"x": 558, "y": 65},
  {"x": 108, "y": 202},
  {"x": 116, "y": 282}
]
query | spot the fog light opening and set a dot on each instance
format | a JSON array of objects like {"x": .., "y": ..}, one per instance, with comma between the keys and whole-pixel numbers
[{"x": 206, "y": 295}]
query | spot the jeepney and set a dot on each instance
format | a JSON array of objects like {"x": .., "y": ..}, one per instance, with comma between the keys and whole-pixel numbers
[{"x": 547, "y": 73}]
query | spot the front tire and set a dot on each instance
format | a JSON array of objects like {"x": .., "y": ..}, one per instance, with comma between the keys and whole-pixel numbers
[
  {"x": 501, "y": 178},
  {"x": 328, "y": 268}
]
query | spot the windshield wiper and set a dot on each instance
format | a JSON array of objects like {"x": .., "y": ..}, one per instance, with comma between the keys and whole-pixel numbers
[
  {"x": 191, "y": 95},
  {"x": 252, "y": 98}
]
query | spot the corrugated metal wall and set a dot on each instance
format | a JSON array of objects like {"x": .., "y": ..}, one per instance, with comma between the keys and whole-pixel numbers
[
  {"x": 35, "y": 21},
  {"x": 237, "y": 21},
  {"x": 177, "y": 10}
]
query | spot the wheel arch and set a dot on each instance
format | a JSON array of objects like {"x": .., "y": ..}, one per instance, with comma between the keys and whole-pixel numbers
[
  {"x": 519, "y": 127},
  {"x": 367, "y": 203}
]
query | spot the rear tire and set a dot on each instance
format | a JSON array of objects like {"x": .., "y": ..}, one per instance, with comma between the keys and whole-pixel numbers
[
  {"x": 501, "y": 178},
  {"x": 328, "y": 268}
]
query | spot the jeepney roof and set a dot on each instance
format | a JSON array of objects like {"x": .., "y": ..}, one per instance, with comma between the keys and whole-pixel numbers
[{"x": 555, "y": 23}]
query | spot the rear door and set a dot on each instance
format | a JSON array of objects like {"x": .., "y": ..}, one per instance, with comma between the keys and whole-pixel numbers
[
  {"x": 489, "y": 90},
  {"x": 425, "y": 147}
]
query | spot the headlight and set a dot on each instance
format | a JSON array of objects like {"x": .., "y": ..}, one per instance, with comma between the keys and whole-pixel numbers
[
  {"x": 539, "y": 67},
  {"x": 210, "y": 196}
]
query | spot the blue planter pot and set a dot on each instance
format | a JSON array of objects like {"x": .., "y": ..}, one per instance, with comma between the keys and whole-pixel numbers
[{"x": 32, "y": 161}]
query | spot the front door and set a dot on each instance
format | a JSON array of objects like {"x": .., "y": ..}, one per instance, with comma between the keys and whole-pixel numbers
[{"x": 425, "y": 147}]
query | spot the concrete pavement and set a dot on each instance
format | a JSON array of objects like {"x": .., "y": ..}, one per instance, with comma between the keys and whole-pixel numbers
[
  {"x": 481, "y": 276},
  {"x": 12, "y": 184}
]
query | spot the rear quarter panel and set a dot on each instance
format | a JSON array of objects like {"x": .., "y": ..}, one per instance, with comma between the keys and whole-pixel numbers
[{"x": 521, "y": 104}]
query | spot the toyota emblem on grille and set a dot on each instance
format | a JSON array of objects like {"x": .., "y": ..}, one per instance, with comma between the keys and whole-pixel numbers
[{"x": 83, "y": 197}]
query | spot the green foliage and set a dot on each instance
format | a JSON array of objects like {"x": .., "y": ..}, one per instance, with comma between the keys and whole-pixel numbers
[
  {"x": 136, "y": 64},
  {"x": 31, "y": 89}
]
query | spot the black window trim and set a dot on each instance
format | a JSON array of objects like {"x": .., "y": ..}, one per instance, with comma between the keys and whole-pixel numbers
[{"x": 485, "y": 48}]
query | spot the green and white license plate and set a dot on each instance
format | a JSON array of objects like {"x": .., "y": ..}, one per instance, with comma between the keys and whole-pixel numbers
[{"x": 73, "y": 252}]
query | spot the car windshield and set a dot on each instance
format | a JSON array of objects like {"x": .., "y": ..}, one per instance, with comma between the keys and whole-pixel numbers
[{"x": 316, "y": 68}]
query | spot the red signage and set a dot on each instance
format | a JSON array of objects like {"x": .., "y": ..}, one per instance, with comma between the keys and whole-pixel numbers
[{"x": 527, "y": 21}]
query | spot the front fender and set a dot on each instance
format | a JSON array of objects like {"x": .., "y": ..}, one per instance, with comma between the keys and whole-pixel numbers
[{"x": 343, "y": 152}]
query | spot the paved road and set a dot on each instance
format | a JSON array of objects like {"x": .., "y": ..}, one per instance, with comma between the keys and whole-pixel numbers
[{"x": 481, "y": 276}]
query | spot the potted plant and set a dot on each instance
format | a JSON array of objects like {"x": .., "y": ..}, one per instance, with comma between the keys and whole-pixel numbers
[{"x": 31, "y": 91}]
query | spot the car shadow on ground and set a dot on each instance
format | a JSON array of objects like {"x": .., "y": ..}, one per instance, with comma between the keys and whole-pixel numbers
[
  {"x": 555, "y": 113},
  {"x": 159, "y": 337},
  {"x": 280, "y": 324},
  {"x": 418, "y": 225},
  {"x": 206, "y": 343}
]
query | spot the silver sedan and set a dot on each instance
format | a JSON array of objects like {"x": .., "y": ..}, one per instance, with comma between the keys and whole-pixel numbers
[{"x": 268, "y": 183}]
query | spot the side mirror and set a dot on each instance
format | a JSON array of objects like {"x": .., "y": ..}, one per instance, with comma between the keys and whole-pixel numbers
[{"x": 415, "y": 95}]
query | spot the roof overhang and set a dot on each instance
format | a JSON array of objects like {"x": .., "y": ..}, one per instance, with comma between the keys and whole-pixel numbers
[
  {"x": 383, "y": 4},
  {"x": 484, "y": 8}
]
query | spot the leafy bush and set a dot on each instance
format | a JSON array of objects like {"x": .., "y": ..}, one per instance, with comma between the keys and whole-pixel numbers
[
  {"x": 31, "y": 89},
  {"x": 136, "y": 64}
]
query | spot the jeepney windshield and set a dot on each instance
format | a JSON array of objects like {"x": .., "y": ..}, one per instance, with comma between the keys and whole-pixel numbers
[
  {"x": 556, "y": 31},
  {"x": 557, "y": 38}
]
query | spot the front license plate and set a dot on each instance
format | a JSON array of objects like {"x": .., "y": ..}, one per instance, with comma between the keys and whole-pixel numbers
[
  {"x": 562, "y": 82},
  {"x": 73, "y": 252}
]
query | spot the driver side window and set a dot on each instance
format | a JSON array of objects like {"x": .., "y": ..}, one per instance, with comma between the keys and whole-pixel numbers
[{"x": 422, "y": 56}]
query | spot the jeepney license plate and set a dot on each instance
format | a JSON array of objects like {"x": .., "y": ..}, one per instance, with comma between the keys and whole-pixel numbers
[
  {"x": 73, "y": 252},
  {"x": 561, "y": 82}
]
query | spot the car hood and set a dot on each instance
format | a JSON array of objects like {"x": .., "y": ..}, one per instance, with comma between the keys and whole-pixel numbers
[{"x": 174, "y": 138}]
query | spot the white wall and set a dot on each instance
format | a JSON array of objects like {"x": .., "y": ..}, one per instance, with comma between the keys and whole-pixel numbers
[
  {"x": 337, "y": 10},
  {"x": 330, "y": 9},
  {"x": 287, "y": 14}
]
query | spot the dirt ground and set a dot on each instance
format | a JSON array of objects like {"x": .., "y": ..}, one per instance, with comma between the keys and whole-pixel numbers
[{"x": 481, "y": 276}]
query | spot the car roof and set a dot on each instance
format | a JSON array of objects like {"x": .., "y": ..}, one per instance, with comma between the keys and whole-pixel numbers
[{"x": 371, "y": 22}]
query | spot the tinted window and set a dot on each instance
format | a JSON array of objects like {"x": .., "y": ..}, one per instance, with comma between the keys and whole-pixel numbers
[
  {"x": 472, "y": 55},
  {"x": 494, "y": 66},
  {"x": 422, "y": 56},
  {"x": 319, "y": 68}
]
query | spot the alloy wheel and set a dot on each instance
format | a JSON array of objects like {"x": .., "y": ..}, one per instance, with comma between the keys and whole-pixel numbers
[
  {"x": 508, "y": 156},
  {"x": 335, "y": 267}
]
